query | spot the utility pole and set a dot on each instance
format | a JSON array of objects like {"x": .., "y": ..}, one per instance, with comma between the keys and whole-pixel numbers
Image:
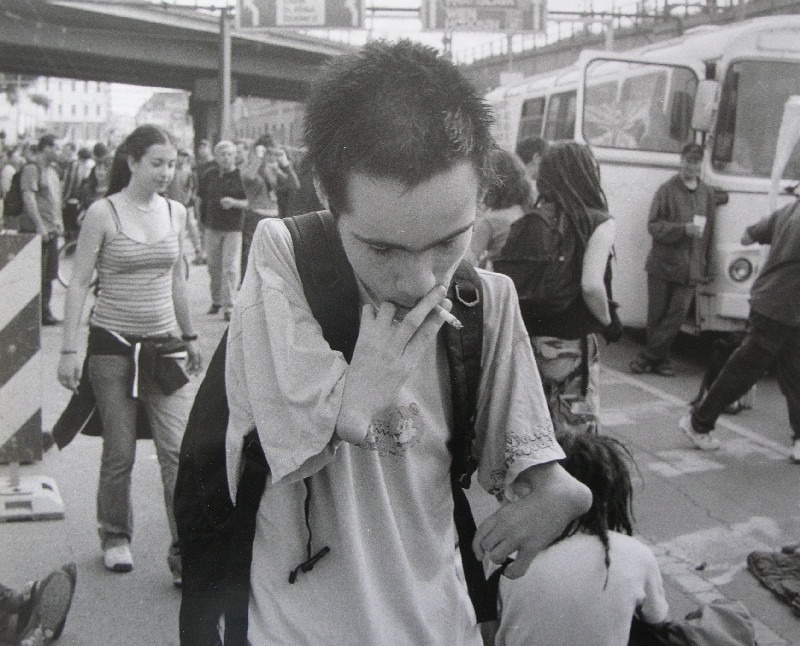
[{"x": 225, "y": 73}]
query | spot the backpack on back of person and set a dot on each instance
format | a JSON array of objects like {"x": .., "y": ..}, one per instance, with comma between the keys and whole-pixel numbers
[
  {"x": 546, "y": 275},
  {"x": 216, "y": 535},
  {"x": 534, "y": 258},
  {"x": 12, "y": 202}
]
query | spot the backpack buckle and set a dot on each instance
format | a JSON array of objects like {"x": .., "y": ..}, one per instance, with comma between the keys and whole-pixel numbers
[{"x": 471, "y": 296}]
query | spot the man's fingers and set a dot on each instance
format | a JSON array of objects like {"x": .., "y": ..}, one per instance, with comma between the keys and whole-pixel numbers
[
  {"x": 482, "y": 540},
  {"x": 521, "y": 563},
  {"x": 500, "y": 552}
]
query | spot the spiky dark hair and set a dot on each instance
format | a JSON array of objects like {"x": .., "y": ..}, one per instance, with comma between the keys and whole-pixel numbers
[{"x": 397, "y": 111}]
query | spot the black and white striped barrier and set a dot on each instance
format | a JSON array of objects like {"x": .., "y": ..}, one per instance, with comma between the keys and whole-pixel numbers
[{"x": 26, "y": 497}]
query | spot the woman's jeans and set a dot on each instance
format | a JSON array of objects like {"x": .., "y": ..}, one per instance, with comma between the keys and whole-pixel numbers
[
  {"x": 767, "y": 342},
  {"x": 111, "y": 381}
]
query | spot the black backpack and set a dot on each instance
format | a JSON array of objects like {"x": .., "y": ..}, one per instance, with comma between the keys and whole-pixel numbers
[
  {"x": 548, "y": 281},
  {"x": 534, "y": 258},
  {"x": 215, "y": 535},
  {"x": 12, "y": 202}
]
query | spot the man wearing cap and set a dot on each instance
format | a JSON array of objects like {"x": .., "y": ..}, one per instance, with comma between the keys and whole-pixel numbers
[{"x": 681, "y": 222}]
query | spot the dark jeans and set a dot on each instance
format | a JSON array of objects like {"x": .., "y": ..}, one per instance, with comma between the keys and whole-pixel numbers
[
  {"x": 49, "y": 269},
  {"x": 667, "y": 305},
  {"x": 767, "y": 342}
]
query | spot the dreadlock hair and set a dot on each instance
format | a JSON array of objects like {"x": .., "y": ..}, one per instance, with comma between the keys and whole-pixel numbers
[
  {"x": 601, "y": 463},
  {"x": 569, "y": 177}
]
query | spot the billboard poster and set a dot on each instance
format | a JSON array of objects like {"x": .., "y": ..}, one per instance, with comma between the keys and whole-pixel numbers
[
  {"x": 514, "y": 16},
  {"x": 300, "y": 14}
]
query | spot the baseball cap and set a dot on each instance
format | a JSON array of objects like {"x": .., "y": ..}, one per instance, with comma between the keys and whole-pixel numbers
[{"x": 692, "y": 152}]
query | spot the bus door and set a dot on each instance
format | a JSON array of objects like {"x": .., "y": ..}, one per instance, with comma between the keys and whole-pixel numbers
[{"x": 636, "y": 114}]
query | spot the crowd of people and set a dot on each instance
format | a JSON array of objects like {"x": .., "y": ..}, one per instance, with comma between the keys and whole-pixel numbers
[{"x": 358, "y": 449}]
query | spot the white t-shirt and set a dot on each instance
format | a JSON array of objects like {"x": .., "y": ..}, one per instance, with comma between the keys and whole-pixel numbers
[
  {"x": 569, "y": 598},
  {"x": 393, "y": 575}
]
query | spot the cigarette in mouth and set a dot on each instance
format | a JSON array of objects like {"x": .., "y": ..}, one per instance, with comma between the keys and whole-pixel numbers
[{"x": 448, "y": 317}]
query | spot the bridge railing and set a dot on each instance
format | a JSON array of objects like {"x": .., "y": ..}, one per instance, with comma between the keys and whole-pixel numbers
[{"x": 564, "y": 25}]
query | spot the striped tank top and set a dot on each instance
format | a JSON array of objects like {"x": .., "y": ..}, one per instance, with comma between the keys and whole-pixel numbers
[{"x": 135, "y": 283}]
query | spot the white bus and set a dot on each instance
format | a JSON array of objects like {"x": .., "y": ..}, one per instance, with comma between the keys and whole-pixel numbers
[{"x": 726, "y": 85}]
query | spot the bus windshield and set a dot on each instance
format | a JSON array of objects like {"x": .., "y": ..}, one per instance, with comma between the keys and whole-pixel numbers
[
  {"x": 750, "y": 112},
  {"x": 638, "y": 105}
]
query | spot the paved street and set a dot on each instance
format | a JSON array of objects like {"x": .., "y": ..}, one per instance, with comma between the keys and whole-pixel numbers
[{"x": 701, "y": 513}]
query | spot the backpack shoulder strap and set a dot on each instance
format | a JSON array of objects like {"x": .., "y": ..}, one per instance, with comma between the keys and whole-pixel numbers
[
  {"x": 464, "y": 348},
  {"x": 464, "y": 351},
  {"x": 329, "y": 283}
]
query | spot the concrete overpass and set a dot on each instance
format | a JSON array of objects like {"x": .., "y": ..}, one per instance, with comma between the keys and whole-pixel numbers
[{"x": 152, "y": 45}]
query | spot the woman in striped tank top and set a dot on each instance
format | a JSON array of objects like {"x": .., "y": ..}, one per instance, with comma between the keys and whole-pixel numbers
[{"x": 140, "y": 332}]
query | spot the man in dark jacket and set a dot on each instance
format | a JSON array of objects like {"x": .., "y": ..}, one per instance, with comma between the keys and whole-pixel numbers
[
  {"x": 221, "y": 199},
  {"x": 681, "y": 222},
  {"x": 773, "y": 335}
]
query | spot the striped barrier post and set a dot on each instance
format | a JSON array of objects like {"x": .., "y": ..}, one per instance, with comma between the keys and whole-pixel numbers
[
  {"x": 20, "y": 348},
  {"x": 27, "y": 497}
]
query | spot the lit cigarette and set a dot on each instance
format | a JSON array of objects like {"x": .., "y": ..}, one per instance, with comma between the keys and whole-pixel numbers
[{"x": 448, "y": 317}]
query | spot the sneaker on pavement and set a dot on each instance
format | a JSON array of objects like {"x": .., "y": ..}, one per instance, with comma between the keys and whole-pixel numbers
[
  {"x": 640, "y": 365},
  {"x": 118, "y": 558},
  {"x": 703, "y": 441},
  {"x": 796, "y": 452},
  {"x": 664, "y": 369},
  {"x": 214, "y": 309},
  {"x": 51, "y": 599},
  {"x": 174, "y": 562}
]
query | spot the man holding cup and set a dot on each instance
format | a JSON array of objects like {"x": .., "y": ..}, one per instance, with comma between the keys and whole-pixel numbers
[{"x": 681, "y": 222}]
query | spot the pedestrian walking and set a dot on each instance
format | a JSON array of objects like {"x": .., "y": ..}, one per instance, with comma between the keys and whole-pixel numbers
[
  {"x": 504, "y": 203},
  {"x": 559, "y": 256},
  {"x": 259, "y": 182},
  {"x": 586, "y": 587},
  {"x": 358, "y": 452},
  {"x": 141, "y": 335},
  {"x": 222, "y": 199},
  {"x": 773, "y": 336},
  {"x": 182, "y": 189},
  {"x": 681, "y": 223},
  {"x": 42, "y": 214},
  {"x": 531, "y": 150}
]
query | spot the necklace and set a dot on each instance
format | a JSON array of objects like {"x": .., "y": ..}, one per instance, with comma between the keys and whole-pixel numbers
[{"x": 144, "y": 209}]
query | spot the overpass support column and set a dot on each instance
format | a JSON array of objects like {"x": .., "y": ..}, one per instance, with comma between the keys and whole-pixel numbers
[{"x": 205, "y": 109}]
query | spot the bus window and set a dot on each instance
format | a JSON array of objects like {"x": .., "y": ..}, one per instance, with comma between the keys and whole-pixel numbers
[
  {"x": 750, "y": 111},
  {"x": 560, "y": 122},
  {"x": 530, "y": 124},
  {"x": 651, "y": 111}
]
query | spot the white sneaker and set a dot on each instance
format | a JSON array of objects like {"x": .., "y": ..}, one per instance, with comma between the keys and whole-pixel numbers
[
  {"x": 796, "y": 452},
  {"x": 703, "y": 441},
  {"x": 118, "y": 558}
]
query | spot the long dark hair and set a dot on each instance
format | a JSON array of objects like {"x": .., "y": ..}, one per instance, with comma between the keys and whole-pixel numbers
[
  {"x": 569, "y": 177},
  {"x": 135, "y": 145},
  {"x": 601, "y": 463}
]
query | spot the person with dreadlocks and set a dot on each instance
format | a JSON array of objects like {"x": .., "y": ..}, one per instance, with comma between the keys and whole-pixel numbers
[
  {"x": 586, "y": 587},
  {"x": 558, "y": 255}
]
